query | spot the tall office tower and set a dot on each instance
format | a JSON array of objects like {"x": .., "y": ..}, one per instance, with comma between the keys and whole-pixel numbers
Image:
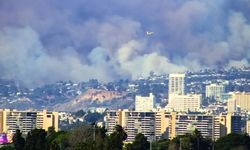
[
  {"x": 144, "y": 103},
  {"x": 25, "y": 121},
  {"x": 187, "y": 102},
  {"x": 242, "y": 100},
  {"x": 215, "y": 91},
  {"x": 176, "y": 84}
]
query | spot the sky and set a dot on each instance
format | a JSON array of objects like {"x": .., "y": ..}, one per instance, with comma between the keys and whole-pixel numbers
[{"x": 44, "y": 41}]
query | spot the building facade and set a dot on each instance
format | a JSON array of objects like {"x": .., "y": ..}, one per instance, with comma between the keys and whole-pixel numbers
[
  {"x": 242, "y": 99},
  {"x": 210, "y": 126},
  {"x": 215, "y": 91},
  {"x": 25, "y": 121},
  {"x": 189, "y": 102},
  {"x": 248, "y": 127},
  {"x": 176, "y": 84},
  {"x": 162, "y": 124},
  {"x": 144, "y": 103}
]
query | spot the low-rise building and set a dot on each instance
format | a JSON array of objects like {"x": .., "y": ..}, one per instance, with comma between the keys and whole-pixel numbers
[{"x": 189, "y": 102}]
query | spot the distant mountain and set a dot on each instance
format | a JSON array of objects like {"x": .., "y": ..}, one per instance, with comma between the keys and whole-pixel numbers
[{"x": 97, "y": 98}]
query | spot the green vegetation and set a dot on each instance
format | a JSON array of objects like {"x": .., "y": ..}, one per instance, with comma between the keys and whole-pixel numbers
[
  {"x": 140, "y": 143},
  {"x": 193, "y": 141},
  {"x": 90, "y": 137},
  {"x": 234, "y": 142}
]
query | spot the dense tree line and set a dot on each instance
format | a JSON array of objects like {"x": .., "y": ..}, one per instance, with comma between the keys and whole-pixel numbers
[{"x": 90, "y": 137}]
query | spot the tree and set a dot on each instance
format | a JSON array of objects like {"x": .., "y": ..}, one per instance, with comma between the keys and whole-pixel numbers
[
  {"x": 140, "y": 142},
  {"x": 174, "y": 144},
  {"x": 61, "y": 141},
  {"x": 82, "y": 137},
  {"x": 18, "y": 140},
  {"x": 51, "y": 135},
  {"x": 93, "y": 117},
  {"x": 193, "y": 141},
  {"x": 100, "y": 136},
  {"x": 161, "y": 144},
  {"x": 51, "y": 131},
  {"x": 233, "y": 141},
  {"x": 8, "y": 147},
  {"x": 115, "y": 140},
  {"x": 36, "y": 140}
]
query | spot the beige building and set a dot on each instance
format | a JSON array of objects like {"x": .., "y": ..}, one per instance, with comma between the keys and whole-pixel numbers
[
  {"x": 210, "y": 126},
  {"x": 231, "y": 105},
  {"x": 144, "y": 103},
  {"x": 25, "y": 121},
  {"x": 248, "y": 127},
  {"x": 189, "y": 102},
  {"x": 151, "y": 124},
  {"x": 241, "y": 99},
  {"x": 155, "y": 125}
]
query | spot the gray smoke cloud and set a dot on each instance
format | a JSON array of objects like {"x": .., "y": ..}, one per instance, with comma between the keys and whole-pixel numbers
[{"x": 46, "y": 41}]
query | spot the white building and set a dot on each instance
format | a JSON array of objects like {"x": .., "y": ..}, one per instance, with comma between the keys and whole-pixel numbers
[
  {"x": 144, "y": 103},
  {"x": 215, "y": 91},
  {"x": 248, "y": 127},
  {"x": 176, "y": 84},
  {"x": 187, "y": 102}
]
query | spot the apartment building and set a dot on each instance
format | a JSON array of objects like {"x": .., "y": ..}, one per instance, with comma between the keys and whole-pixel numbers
[
  {"x": 25, "y": 121},
  {"x": 163, "y": 124},
  {"x": 241, "y": 99}
]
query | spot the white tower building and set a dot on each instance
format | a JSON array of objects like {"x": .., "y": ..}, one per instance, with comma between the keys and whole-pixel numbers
[{"x": 176, "y": 84}]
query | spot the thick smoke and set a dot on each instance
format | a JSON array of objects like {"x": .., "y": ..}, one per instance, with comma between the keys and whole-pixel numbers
[{"x": 45, "y": 41}]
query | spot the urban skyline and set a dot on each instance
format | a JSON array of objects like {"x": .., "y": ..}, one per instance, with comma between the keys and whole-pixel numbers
[{"x": 124, "y": 75}]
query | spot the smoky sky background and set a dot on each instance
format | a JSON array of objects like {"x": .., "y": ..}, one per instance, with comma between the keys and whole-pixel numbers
[{"x": 43, "y": 41}]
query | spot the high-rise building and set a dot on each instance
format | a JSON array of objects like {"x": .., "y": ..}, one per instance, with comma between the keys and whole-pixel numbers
[
  {"x": 25, "y": 121},
  {"x": 113, "y": 118},
  {"x": 140, "y": 122},
  {"x": 241, "y": 99},
  {"x": 151, "y": 124},
  {"x": 215, "y": 91},
  {"x": 144, "y": 103},
  {"x": 210, "y": 126},
  {"x": 176, "y": 84},
  {"x": 187, "y": 102},
  {"x": 155, "y": 125}
]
